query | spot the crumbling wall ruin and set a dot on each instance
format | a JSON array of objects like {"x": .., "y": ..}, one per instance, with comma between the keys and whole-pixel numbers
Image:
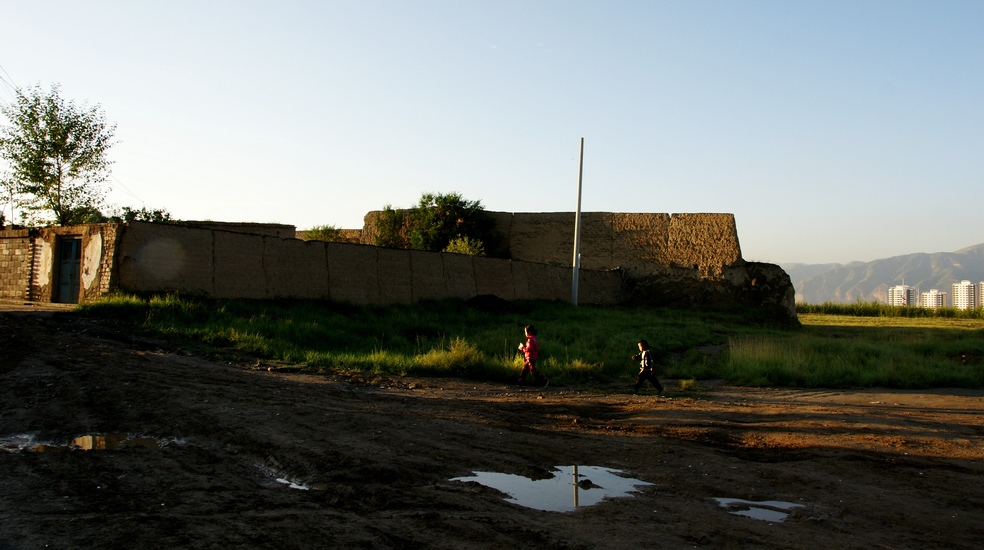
[
  {"x": 640, "y": 244},
  {"x": 666, "y": 259}
]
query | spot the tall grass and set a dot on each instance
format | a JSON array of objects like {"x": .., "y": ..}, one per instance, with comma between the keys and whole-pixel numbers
[
  {"x": 579, "y": 345},
  {"x": 843, "y": 356},
  {"x": 878, "y": 309}
]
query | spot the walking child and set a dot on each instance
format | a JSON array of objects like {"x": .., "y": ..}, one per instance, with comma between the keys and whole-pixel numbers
[
  {"x": 531, "y": 352},
  {"x": 647, "y": 367}
]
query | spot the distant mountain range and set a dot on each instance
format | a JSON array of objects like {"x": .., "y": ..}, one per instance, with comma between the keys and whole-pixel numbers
[{"x": 870, "y": 281}]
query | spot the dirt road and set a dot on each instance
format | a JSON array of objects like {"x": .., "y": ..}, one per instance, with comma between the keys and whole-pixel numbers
[{"x": 241, "y": 455}]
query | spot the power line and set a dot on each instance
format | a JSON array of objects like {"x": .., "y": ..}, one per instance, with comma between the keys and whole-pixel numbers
[
  {"x": 125, "y": 188},
  {"x": 9, "y": 86}
]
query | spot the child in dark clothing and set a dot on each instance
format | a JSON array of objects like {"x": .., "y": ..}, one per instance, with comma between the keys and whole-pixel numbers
[
  {"x": 531, "y": 352},
  {"x": 647, "y": 365}
]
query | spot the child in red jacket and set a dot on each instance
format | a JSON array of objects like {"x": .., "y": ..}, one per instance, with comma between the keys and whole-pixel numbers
[{"x": 531, "y": 352}]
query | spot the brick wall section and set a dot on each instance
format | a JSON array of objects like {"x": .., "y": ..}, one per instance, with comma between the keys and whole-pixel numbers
[
  {"x": 28, "y": 261},
  {"x": 98, "y": 260},
  {"x": 16, "y": 255}
]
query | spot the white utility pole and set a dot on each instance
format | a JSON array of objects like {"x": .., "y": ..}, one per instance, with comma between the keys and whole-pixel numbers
[{"x": 577, "y": 228}]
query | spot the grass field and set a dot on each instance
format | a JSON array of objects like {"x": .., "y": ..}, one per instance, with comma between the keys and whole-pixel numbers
[{"x": 583, "y": 345}]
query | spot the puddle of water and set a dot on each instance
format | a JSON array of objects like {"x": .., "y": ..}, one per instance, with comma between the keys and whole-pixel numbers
[
  {"x": 103, "y": 442},
  {"x": 18, "y": 442},
  {"x": 292, "y": 485},
  {"x": 766, "y": 510},
  {"x": 570, "y": 487},
  {"x": 280, "y": 477}
]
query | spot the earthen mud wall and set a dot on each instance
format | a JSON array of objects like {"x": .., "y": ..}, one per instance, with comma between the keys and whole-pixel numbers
[
  {"x": 639, "y": 244},
  {"x": 224, "y": 264},
  {"x": 687, "y": 260},
  {"x": 690, "y": 260}
]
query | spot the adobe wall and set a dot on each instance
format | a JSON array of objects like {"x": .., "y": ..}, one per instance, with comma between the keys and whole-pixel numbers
[
  {"x": 686, "y": 260},
  {"x": 284, "y": 231},
  {"x": 353, "y": 236},
  {"x": 224, "y": 264},
  {"x": 29, "y": 262},
  {"x": 641, "y": 244},
  {"x": 683, "y": 259}
]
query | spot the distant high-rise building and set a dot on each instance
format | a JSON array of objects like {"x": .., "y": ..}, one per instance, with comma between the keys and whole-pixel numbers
[
  {"x": 933, "y": 299},
  {"x": 965, "y": 295},
  {"x": 901, "y": 295}
]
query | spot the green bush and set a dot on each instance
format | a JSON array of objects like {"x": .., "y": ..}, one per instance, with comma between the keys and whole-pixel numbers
[
  {"x": 329, "y": 233},
  {"x": 391, "y": 228},
  {"x": 465, "y": 245},
  {"x": 437, "y": 220}
]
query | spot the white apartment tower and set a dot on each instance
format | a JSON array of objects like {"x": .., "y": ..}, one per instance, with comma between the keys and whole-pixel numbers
[
  {"x": 901, "y": 295},
  {"x": 965, "y": 295},
  {"x": 933, "y": 299}
]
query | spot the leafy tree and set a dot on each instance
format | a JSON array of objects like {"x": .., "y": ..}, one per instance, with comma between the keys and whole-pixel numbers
[
  {"x": 143, "y": 214},
  {"x": 435, "y": 221},
  {"x": 57, "y": 156},
  {"x": 440, "y": 218}
]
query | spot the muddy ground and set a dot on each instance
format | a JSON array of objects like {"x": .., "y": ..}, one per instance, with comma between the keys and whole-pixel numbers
[{"x": 371, "y": 459}]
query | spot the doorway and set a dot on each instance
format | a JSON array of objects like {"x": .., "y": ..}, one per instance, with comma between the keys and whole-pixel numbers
[{"x": 69, "y": 270}]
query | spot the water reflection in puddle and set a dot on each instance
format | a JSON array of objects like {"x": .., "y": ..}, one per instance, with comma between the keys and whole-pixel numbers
[
  {"x": 569, "y": 488},
  {"x": 100, "y": 442},
  {"x": 766, "y": 510},
  {"x": 290, "y": 484},
  {"x": 281, "y": 478}
]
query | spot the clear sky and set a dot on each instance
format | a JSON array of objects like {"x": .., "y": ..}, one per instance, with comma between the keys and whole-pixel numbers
[{"x": 833, "y": 131}]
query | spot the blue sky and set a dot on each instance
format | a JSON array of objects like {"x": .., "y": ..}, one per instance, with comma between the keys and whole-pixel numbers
[{"x": 834, "y": 131}]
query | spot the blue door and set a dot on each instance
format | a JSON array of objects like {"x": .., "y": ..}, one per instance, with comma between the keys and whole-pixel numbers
[{"x": 69, "y": 269}]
